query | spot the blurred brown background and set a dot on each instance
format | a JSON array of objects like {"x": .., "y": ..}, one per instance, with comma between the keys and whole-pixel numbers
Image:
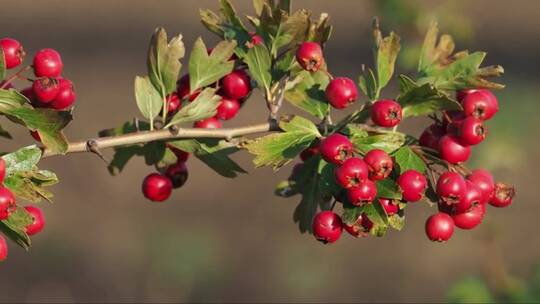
[{"x": 233, "y": 240}]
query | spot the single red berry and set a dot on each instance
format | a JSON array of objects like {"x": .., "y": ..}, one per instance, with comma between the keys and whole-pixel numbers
[
  {"x": 2, "y": 170},
  {"x": 236, "y": 85},
  {"x": 386, "y": 113},
  {"x": 310, "y": 152},
  {"x": 481, "y": 104},
  {"x": 178, "y": 174},
  {"x": 336, "y": 148},
  {"x": 484, "y": 180},
  {"x": 7, "y": 203},
  {"x": 13, "y": 52},
  {"x": 255, "y": 40},
  {"x": 431, "y": 136},
  {"x": 181, "y": 156},
  {"x": 470, "y": 218},
  {"x": 65, "y": 97},
  {"x": 439, "y": 227},
  {"x": 473, "y": 196},
  {"x": 228, "y": 108},
  {"x": 341, "y": 92},
  {"x": 3, "y": 249},
  {"x": 380, "y": 164},
  {"x": 327, "y": 227},
  {"x": 173, "y": 103},
  {"x": 46, "y": 89},
  {"x": 38, "y": 220},
  {"x": 35, "y": 135},
  {"x": 209, "y": 123},
  {"x": 47, "y": 63},
  {"x": 462, "y": 93},
  {"x": 452, "y": 151},
  {"x": 471, "y": 131},
  {"x": 364, "y": 193},
  {"x": 183, "y": 89},
  {"x": 157, "y": 187},
  {"x": 451, "y": 187},
  {"x": 351, "y": 173},
  {"x": 360, "y": 228},
  {"x": 390, "y": 206},
  {"x": 310, "y": 56},
  {"x": 413, "y": 185},
  {"x": 503, "y": 195}
]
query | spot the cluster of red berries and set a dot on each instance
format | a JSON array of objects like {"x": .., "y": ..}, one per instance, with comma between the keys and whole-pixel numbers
[{"x": 8, "y": 205}]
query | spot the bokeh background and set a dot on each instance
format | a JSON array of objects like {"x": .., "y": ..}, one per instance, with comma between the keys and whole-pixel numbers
[{"x": 233, "y": 240}]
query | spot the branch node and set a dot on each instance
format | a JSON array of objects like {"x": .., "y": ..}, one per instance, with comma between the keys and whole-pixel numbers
[
  {"x": 174, "y": 129},
  {"x": 92, "y": 146}
]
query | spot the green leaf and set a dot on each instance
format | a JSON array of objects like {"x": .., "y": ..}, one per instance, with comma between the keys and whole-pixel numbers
[
  {"x": 388, "y": 188},
  {"x": 281, "y": 148},
  {"x": 29, "y": 185},
  {"x": 11, "y": 99},
  {"x": 368, "y": 84},
  {"x": 212, "y": 21},
  {"x": 388, "y": 142},
  {"x": 351, "y": 213},
  {"x": 396, "y": 221},
  {"x": 2, "y": 65},
  {"x": 291, "y": 30},
  {"x": 148, "y": 99},
  {"x": 14, "y": 227},
  {"x": 153, "y": 152},
  {"x": 214, "y": 153},
  {"x": 260, "y": 65},
  {"x": 204, "y": 106},
  {"x": 164, "y": 61},
  {"x": 407, "y": 159},
  {"x": 386, "y": 58},
  {"x": 307, "y": 92},
  {"x": 24, "y": 159},
  {"x": 377, "y": 215},
  {"x": 470, "y": 290},
  {"x": 320, "y": 30},
  {"x": 206, "y": 69},
  {"x": 421, "y": 100}
]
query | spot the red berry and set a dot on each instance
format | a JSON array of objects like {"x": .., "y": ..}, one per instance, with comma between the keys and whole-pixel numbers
[
  {"x": 380, "y": 164},
  {"x": 236, "y": 85},
  {"x": 65, "y": 97},
  {"x": 341, "y": 92},
  {"x": 364, "y": 193},
  {"x": 28, "y": 92},
  {"x": 481, "y": 104},
  {"x": 209, "y": 123},
  {"x": 327, "y": 227},
  {"x": 7, "y": 203},
  {"x": 13, "y": 52},
  {"x": 3, "y": 248},
  {"x": 390, "y": 206},
  {"x": 431, "y": 136},
  {"x": 439, "y": 227},
  {"x": 2, "y": 170},
  {"x": 181, "y": 156},
  {"x": 461, "y": 94},
  {"x": 361, "y": 227},
  {"x": 157, "y": 187},
  {"x": 452, "y": 151},
  {"x": 38, "y": 220},
  {"x": 46, "y": 89},
  {"x": 255, "y": 40},
  {"x": 336, "y": 148},
  {"x": 47, "y": 63},
  {"x": 183, "y": 89},
  {"x": 473, "y": 196},
  {"x": 386, "y": 113},
  {"x": 351, "y": 173},
  {"x": 451, "y": 188},
  {"x": 310, "y": 56},
  {"x": 174, "y": 104},
  {"x": 178, "y": 174},
  {"x": 310, "y": 152},
  {"x": 470, "y": 218},
  {"x": 484, "y": 180},
  {"x": 503, "y": 195},
  {"x": 227, "y": 109},
  {"x": 413, "y": 185},
  {"x": 35, "y": 135},
  {"x": 471, "y": 131}
]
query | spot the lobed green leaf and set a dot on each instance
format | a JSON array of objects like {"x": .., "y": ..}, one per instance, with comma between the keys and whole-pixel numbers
[
  {"x": 260, "y": 65},
  {"x": 205, "y": 69},
  {"x": 307, "y": 92},
  {"x": 204, "y": 106},
  {"x": 407, "y": 159},
  {"x": 164, "y": 61},
  {"x": 149, "y": 100}
]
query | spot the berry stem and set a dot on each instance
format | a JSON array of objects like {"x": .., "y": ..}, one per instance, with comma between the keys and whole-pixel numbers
[{"x": 15, "y": 76}]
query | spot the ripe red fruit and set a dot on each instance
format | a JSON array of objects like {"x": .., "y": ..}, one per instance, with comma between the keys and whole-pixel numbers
[
  {"x": 341, "y": 92},
  {"x": 481, "y": 104},
  {"x": 47, "y": 63},
  {"x": 502, "y": 196},
  {"x": 13, "y": 52},
  {"x": 173, "y": 103},
  {"x": 181, "y": 156},
  {"x": 255, "y": 40},
  {"x": 360, "y": 228},
  {"x": 461, "y": 94},
  {"x": 2, "y": 170},
  {"x": 386, "y": 113},
  {"x": 46, "y": 89},
  {"x": 183, "y": 89},
  {"x": 452, "y": 151},
  {"x": 7, "y": 203},
  {"x": 227, "y": 109},
  {"x": 35, "y": 135},
  {"x": 236, "y": 85},
  {"x": 471, "y": 131},
  {"x": 178, "y": 174},
  {"x": 3, "y": 248},
  {"x": 310, "y": 152},
  {"x": 470, "y": 218},
  {"x": 451, "y": 187},
  {"x": 336, "y": 148},
  {"x": 310, "y": 56},
  {"x": 431, "y": 136},
  {"x": 380, "y": 164},
  {"x": 157, "y": 187},
  {"x": 484, "y": 180},
  {"x": 413, "y": 185},
  {"x": 351, "y": 173},
  {"x": 209, "y": 123},
  {"x": 66, "y": 95},
  {"x": 327, "y": 227},
  {"x": 439, "y": 227},
  {"x": 364, "y": 193},
  {"x": 390, "y": 206},
  {"x": 473, "y": 196},
  {"x": 38, "y": 220}
]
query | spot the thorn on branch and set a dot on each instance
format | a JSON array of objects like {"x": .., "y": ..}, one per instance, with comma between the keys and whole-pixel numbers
[{"x": 92, "y": 146}]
